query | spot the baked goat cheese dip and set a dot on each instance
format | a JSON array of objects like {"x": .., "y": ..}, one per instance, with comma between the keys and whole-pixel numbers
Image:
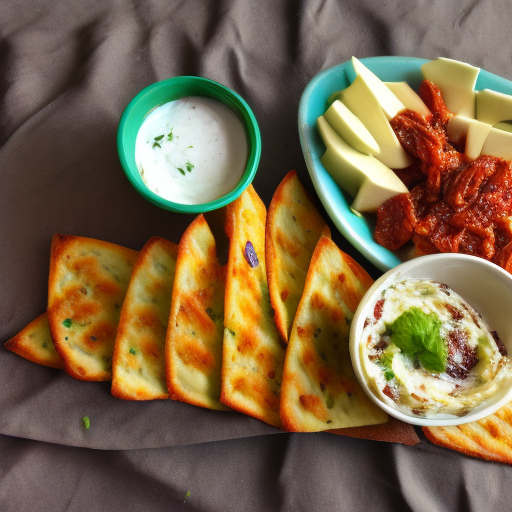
[
  {"x": 427, "y": 352},
  {"x": 192, "y": 150}
]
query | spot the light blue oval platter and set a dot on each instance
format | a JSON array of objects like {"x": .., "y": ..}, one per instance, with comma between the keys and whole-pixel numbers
[{"x": 359, "y": 230}]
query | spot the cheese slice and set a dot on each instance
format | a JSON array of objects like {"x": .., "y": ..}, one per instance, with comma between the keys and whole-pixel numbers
[
  {"x": 360, "y": 99},
  {"x": 498, "y": 143},
  {"x": 493, "y": 107},
  {"x": 412, "y": 101},
  {"x": 457, "y": 81},
  {"x": 475, "y": 138},
  {"x": 351, "y": 169},
  {"x": 389, "y": 103},
  {"x": 351, "y": 129}
]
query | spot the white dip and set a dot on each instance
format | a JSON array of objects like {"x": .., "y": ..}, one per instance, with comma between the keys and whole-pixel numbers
[
  {"x": 192, "y": 150},
  {"x": 426, "y": 351}
]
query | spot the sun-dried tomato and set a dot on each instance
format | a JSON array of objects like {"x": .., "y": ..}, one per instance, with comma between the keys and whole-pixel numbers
[
  {"x": 412, "y": 175},
  {"x": 396, "y": 220},
  {"x": 454, "y": 204},
  {"x": 503, "y": 257},
  {"x": 462, "y": 357},
  {"x": 465, "y": 185},
  {"x": 432, "y": 97}
]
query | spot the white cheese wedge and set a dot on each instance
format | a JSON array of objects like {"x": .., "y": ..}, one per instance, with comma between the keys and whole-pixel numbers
[
  {"x": 408, "y": 97},
  {"x": 360, "y": 175},
  {"x": 351, "y": 129},
  {"x": 475, "y": 138},
  {"x": 458, "y": 127},
  {"x": 503, "y": 126},
  {"x": 373, "y": 193},
  {"x": 498, "y": 143},
  {"x": 361, "y": 101},
  {"x": 389, "y": 103},
  {"x": 493, "y": 107},
  {"x": 456, "y": 80}
]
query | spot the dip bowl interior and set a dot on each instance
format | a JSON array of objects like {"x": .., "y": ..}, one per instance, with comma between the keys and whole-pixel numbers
[
  {"x": 172, "y": 89},
  {"x": 484, "y": 285}
]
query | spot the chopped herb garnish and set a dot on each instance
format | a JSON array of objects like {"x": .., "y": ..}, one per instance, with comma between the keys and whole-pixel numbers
[
  {"x": 189, "y": 167},
  {"x": 231, "y": 332},
  {"x": 86, "y": 421},
  {"x": 418, "y": 335},
  {"x": 317, "y": 332},
  {"x": 45, "y": 344},
  {"x": 170, "y": 136},
  {"x": 193, "y": 333},
  {"x": 293, "y": 217},
  {"x": 160, "y": 137},
  {"x": 133, "y": 351},
  {"x": 181, "y": 170},
  {"x": 187, "y": 496},
  {"x": 156, "y": 145},
  {"x": 190, "y": 147},
  {"x": 67, "y": 322},
  {"x": 66, "y": 338},
  {"x": 389, "y": 374},
  {"x": 250, "y": 255},
  {"x": 328, "y": 421},
  {"x": 93, "y": 338}
]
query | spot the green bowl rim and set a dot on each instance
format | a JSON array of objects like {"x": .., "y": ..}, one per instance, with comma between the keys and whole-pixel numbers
[{"x": 248, "y": 119}]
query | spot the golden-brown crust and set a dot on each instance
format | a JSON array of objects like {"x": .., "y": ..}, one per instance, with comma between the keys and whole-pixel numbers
[
  {"x": 489, "y": 438},
  {"x": 142, "y": 325},
  {"x": 253, "y": 356},
  {"x": 290, "y": 202},
  {"x": 193, "y": 348},
  {"x": 319, "y": 389},
  {"x": 83, "y": 291},
  {"x": 34, "y": 343}
]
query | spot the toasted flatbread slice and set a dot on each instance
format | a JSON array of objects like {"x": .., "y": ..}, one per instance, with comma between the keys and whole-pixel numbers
[
  {"x": 294, "y": 227},
  {"x": 138, "y": 365},
  {"x": 87, "y": 285},
  {"x": 196, "y": 325},
  {"x": 320, "y": 390},
  {"x": 489, "y": 438},
  {"x": 34, "y": 342},
  {"x": 253, "y": 355}
]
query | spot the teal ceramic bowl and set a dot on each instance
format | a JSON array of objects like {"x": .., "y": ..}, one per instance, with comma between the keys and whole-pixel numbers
[
  {"x": 359, "y": 230},
  {"x": 173, "y": 89}
]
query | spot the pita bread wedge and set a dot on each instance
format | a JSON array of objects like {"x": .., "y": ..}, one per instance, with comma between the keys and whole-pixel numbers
[
  {"x": 320, "y": 390},
  {"x": 293, "y": 229},
  {"x": 87, "y": 284},
  {"x": 489, "y": 438},
  {"x": 34, "y": 342},
  {"x": 138, "y": 365},
  {"x": 253, "y": 356},
  {"x": 196, "y": 324}
]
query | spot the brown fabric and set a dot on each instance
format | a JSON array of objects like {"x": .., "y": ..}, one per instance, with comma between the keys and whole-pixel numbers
[{"x": 68, "y": 68}]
